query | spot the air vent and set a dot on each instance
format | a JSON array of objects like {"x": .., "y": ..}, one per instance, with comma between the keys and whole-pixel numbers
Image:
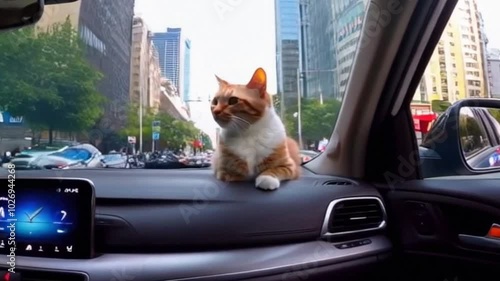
[
  {"x": 338, "y": 182},
  {"x": 353, "y": 215}
]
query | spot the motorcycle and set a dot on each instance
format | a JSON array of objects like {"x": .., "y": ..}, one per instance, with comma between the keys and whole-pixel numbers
[{"x": 171, "y": 161}]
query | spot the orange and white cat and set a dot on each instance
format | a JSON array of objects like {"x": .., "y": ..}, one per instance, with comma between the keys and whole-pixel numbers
[{"x": 253, "y": 143}]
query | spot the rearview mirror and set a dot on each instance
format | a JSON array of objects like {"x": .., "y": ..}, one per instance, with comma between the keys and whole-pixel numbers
[
  {"x": 19, "y": 13},
  {"x": 479, "y": 133},
  {"x": 464, "y": 140}
]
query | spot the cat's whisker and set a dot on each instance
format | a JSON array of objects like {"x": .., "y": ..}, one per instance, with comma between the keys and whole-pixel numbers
[
  {"x": 240, "y": 128},
  {"x": 237, "y": 127},
  {"x": 240, "y": 119},
  {"x": 241, "y": 123}
]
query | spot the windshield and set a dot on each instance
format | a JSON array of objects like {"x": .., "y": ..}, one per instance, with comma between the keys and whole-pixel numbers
[
  {"x": 73, "y": 154},
  {"x": 137, "y": 77}
]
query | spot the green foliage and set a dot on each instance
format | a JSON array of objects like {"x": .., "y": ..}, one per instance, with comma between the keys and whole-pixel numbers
[
  {"x": 495, "y": 112},
  {"x": 174, "y": 133},
  {"x": 440, "y": 106},
  {"x": 46, "y": 78},
  {"x": 207, "y": 142},
  {"x": 317, "y": 119}
]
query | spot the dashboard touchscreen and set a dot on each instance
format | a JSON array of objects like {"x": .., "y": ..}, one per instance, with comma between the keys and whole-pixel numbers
[{"x": 47, "y": 217}]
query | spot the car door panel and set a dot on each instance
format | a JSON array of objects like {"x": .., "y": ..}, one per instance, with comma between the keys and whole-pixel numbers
[
  {"x": 439, "y": 228},
  {"x": 447, "y": 222}
]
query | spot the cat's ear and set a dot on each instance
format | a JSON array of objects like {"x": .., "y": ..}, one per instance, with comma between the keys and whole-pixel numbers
[
  {"x": 258, "y": 81},
  {"x": 221, "y": 81}
]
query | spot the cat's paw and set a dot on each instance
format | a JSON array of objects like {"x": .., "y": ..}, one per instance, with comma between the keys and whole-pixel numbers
[{"x": 266, "y": 182}]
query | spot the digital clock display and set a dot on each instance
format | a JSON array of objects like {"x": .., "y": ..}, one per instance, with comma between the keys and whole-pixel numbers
[{"x": 52, "y": 218}]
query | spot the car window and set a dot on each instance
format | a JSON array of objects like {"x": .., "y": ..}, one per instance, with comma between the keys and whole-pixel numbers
[
  {"x": 74, "y": 154},
  {"x": 461, "y": 67},
  {"x": 473, "y": 136}
]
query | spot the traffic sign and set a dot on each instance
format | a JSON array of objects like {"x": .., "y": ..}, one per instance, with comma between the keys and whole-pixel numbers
[
  {"x": 131, "y": 139},
  {"x": 156, "y": 135},
  {"x": 156, "y": 126}
]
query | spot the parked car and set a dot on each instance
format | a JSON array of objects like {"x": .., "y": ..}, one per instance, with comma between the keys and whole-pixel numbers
[
  {"x": 114, "y": 160},
  {"x": 78, "y": 156},
  {"x": 24, "y": 159}
]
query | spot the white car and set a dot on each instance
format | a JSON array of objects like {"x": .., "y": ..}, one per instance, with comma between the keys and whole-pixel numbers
[{"x": 25, "y": 158}]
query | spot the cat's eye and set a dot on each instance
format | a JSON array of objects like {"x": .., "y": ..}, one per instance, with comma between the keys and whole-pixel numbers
[
  {"x": 214, "y": 101},
  {"x": 232, "y": 101}
]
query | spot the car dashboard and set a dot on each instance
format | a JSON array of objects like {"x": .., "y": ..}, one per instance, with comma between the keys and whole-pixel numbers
[{"x": 186, "y": 225}]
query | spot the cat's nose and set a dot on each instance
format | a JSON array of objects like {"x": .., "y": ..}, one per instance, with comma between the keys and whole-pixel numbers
[{"x": 217, "y": 111}]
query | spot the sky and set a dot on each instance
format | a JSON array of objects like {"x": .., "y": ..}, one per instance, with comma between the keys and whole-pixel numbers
[
  {"x": 490, "y": 10},
  {"x": 229, "y": 38}
]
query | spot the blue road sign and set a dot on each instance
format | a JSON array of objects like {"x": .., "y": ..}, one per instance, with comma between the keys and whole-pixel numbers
[{"x": 156, "y": 136}]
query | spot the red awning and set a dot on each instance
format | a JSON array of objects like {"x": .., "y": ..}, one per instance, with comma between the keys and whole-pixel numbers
[{"x": 422, "y": 121}]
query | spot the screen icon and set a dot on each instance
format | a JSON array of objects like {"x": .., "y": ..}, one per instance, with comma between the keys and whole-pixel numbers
[
  {"x": 28, "y": 248},
  {"x": 2, "y": 244},
  {"x": 69, "y": 248},
  {"x": 2, "y": 212},
  {"x": 56, "y": 249},
  {"x": 40, "y": 249},
  {"x": 58, "y": 190}
]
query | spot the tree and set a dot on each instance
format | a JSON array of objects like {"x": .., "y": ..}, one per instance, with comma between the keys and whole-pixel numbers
[
  {"x": 174, "y": 134},
  {"x": 206, "y": 141},
  {"x": 47, "y": 79},
  {"x": 440, "y": 106},
  {"x": 318, "y": 119},
  {"x": 495, "y": 112}
]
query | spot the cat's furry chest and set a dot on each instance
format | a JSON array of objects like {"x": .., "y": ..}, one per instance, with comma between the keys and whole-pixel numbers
[{"x": 258, "y": 143}]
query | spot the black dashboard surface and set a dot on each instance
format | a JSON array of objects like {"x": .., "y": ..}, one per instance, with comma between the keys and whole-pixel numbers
[
  {"x": 186, "y": 219},
  {"x": 145, "y": 210}
]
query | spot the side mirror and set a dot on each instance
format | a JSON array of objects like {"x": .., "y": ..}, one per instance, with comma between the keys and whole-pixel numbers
[
  {"x": 464, "y": 140},
  {"x": 15, "y": 14}
]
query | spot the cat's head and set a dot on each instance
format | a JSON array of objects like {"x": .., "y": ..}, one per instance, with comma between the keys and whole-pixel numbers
[{"x": 237, "y": 106}]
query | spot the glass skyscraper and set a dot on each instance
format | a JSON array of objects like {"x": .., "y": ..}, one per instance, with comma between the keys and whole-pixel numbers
[
  {"x": 287, "y": 49},
  {"x": 110, "y": 54},
  {"x": 333, "y": 31},
  {"x": 169, "y": 46},
  {"x": 320, "y": 44},
  {"x": 175, "y": 57},
  {"x": 187, "y": 71}
]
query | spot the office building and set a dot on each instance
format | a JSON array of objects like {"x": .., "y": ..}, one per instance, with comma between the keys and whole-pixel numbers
[
  {"x": 145, "y": 73},
  {"x": 331, "y": 30},
  {"x": 494, "y": 77},
  {"x": 171, "y": 102},
  {"x": 186, "y": 78},
  {"x": 287, "y": 50},
  {"x": 174, "y": 54},
  {"x": 106, "y": 28}
]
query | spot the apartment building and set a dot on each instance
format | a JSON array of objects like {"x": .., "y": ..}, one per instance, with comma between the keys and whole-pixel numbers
[{"x": 457, "y": 67}]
